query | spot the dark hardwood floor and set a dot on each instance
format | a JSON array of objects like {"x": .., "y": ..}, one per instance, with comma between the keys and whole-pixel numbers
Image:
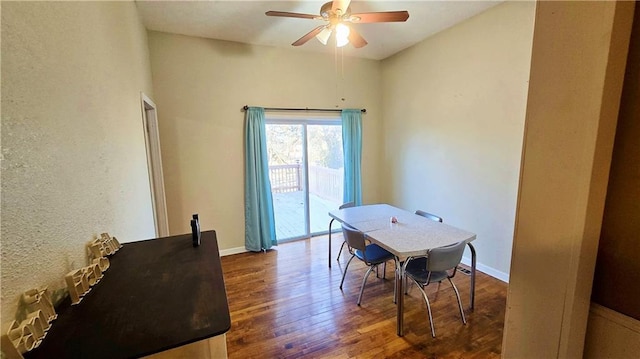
[{"x": 286, "y": 303}]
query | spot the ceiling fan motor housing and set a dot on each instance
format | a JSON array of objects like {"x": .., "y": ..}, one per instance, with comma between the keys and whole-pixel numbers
[{"x": 328, "y": 14}]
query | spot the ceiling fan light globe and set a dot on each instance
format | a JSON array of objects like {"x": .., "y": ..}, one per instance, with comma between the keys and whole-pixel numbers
[
  {"x": 341, "y": 42},
  {"x": 342, "y": 35}
]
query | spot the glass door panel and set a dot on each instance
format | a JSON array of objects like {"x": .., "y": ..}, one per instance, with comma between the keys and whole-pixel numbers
[
  {"x": 326, "y": 171},
  {"x": 285, "y": 148},
  {"x": 306, "y": 174}
]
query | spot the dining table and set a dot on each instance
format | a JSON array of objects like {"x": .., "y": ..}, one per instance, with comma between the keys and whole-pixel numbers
[{"x": 406, "y": 235}]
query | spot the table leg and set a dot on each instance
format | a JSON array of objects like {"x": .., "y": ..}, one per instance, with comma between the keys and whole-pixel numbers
[
  {"x": 473, "y": 276},
  {"x": 400, "y": 296}
]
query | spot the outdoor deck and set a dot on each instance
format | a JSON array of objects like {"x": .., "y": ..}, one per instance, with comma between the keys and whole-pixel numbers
[{"x": 289, "y": 213}]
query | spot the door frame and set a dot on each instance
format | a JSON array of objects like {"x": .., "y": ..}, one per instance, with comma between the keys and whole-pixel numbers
[
  {"x": 154, "y": 165},
  {"x": 304, "y": 121}
]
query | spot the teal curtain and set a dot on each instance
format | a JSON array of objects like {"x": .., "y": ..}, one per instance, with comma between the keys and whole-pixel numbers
[
  {"x": 259, "y": 219},
  {"x": 352, "y": 149}
]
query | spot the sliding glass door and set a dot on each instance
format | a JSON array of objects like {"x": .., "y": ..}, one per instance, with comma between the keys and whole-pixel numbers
[
  {"x": 285, "y": 147},
  {"x": 306, "y": 173},
  {"x": 326, "y": 173}
]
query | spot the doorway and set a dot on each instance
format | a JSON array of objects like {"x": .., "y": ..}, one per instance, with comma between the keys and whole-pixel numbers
[
  {"x": 154, "y": 165},
  {"x": 306, "y": 173}
]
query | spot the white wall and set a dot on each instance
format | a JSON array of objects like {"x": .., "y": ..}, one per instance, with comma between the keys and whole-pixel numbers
[
  {"x": 201, "y": 86},
  {"x": 453, "y": 110},
  {"x": 73, "y": 152}
]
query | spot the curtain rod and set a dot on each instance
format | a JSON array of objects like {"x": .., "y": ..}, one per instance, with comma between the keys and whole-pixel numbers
[{"x": 364, "y": 110}]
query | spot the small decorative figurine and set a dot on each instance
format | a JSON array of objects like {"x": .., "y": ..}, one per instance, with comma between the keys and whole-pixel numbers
[
  {"x": 38, "y": 325},
  {"x": 111, "y": 242},
  {"x": 39, "y": 299},
  {"x": 21, "y": 336},
  {"x": 77, "y": 284},
  {"x": 9, "y": 348},
  {"x": 30, "y": 333},
  {"x": 93, "y": 273},
  {"x": 103, "y": 246},
  {"x": 102, "y": 262},
  {"x": 26, "y": 336}
]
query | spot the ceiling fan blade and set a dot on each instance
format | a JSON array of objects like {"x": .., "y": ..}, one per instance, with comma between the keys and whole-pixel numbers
[
  {"x": 356, "y": 39},
  {"x": 342, "y": 5},
  {"x": 308, "y": 36},
  {"x": 290, "y": 14},
  {"x": 388, "y": 16}
]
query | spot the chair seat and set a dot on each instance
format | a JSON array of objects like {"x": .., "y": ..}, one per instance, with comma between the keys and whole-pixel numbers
[
  {"x": 374, "y": 253},
  {"x": 421, "y": 275}
]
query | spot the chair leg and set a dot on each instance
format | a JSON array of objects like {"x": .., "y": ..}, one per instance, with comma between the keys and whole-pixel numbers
[
  {"x": 384, "y": 270},
  {"x": 406, "y": 285},
  {"x": 345, "y": 271},
  {"x": 437, "y": 291},
  {"x": 340, "y": 251},
  {"x": 464, "y": 320},
  {"x": 330, "y": 223},
  {"x": 364, "y": 281},
  {"x": 433, "y": 329},
  {"x": 395, "y": 287}
]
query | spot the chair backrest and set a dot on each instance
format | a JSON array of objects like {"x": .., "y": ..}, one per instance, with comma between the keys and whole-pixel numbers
[
  {"x": 445, "y": 258},
  {"x": 432, "y": 217},
  {"x": 353, "y": 237},
  {"x": 347, "y": 205}
]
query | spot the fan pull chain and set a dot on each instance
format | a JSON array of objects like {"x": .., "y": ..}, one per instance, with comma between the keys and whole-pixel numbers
[
  {"x": 342, "y": 74},
  {"x": 335, "y": 60},
  {"x": 339, "y": 70},
  {"x": 342, "y": 62}
]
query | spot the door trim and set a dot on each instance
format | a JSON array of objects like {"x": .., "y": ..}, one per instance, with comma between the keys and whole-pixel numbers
[{"x": 154, "y": 165}]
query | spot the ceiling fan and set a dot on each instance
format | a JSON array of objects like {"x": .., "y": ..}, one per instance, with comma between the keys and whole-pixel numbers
[{"x": 337, "y": 15}]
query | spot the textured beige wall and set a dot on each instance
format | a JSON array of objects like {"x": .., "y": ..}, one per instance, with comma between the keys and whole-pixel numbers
[
  {"x": 73, "y": 153},
  {"x": 200, "y": 86},
  {"x": 454, "y": 110},
  {"x": 577, "y": 68}
]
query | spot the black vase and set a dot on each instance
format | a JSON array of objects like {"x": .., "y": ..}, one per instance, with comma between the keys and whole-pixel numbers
[{"x": 195, "y": 230}]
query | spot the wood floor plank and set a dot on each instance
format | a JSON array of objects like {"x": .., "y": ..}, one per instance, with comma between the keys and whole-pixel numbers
[{"x": 286, "y": 303}]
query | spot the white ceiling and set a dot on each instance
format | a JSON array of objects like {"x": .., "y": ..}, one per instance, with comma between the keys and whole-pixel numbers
[{"x": 244, "y": 21}]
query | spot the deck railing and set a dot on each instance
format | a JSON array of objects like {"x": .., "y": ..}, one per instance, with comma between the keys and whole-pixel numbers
[
  {"x": 285, "y": 178},
  {"x": 326, "y": 183},
  {"x": 323, "y": 182}
]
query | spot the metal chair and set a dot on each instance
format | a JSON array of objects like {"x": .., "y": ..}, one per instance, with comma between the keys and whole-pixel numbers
[
  {"x": 442, "y": 264},
  {"x": 432, "y": 217},
  {"x": 420, "y": 262},
  {"x": 371, "y": 254},
  {"x": 344, "y": 205}
]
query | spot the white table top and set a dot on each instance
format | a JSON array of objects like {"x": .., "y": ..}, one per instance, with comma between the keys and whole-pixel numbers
[{"x": 412, "y": 235}]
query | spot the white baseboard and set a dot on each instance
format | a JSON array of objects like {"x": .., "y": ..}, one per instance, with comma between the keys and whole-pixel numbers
[
  {"x": 487, "y": 270},
  {"x": 230, "y": 251}
]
